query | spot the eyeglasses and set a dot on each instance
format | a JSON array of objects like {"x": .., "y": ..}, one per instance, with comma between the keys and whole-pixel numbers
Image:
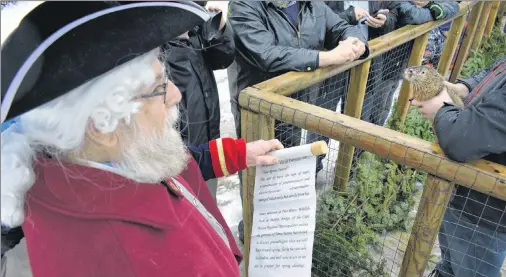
[{"x": 160, "y": 90}]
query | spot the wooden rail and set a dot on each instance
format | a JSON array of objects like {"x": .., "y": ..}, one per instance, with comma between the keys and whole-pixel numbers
[
  {"x": 480, "y": 175},
  {"x": 494, "y": 9},
  {"x": 353, "y": 107},
  {"x": 474, "y": 20},
  {"x": 435, "y": 198},
  {"x": 253, "y": 127},
  {"x": 481, "y": 27},
  {"x": 406, "y": 90},
  {"x": 502, "y": 10},
  {"x": 451, "y": 44}
]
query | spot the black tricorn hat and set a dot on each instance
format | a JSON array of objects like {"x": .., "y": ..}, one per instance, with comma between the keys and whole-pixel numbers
[{"x": 60, "y": 45}]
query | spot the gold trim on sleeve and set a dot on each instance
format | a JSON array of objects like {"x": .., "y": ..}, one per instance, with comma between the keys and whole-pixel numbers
[{"x": 221, "y": 156}]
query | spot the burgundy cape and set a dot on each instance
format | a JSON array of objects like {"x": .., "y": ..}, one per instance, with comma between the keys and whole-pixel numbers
[{"x": 83, "y": 221}]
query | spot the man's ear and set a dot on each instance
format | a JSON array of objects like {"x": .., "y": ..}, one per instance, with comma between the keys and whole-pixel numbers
[{"x": 99, "y": 138}]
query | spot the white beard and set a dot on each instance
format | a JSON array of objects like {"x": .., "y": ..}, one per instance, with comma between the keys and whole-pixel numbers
[{"x": 152, "y": 157}]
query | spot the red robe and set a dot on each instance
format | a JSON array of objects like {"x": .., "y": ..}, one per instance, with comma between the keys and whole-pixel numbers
[{"x": 83, "y": 221}]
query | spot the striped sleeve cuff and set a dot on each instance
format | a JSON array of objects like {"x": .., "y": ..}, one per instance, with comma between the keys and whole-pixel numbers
[{"x": 228, "y": 156}]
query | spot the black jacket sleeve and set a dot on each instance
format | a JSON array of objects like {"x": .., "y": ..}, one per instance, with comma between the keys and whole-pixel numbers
[
  {"x": 219, "y": 52},
  {"x": 409, "y": 13},
  {"x": 10, "y": 238},
  {"x": 337, "y": 29},
  {"x": 338, "y": 8},
  {"x": 349, "y": 15},
  {"x": 202, "y": 156},
  {"x": 474, "y": 132},
  {"x": 473, "y": 81},
  {"x": 391, "y": 21},
  {"x": 259, "y": 42}
]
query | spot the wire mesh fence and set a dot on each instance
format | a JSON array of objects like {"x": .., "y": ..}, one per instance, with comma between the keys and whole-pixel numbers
[
  {"x": 392, "y": 217},
  {"x": 384, "y": 80},
  {"x": 365, "y": 231},
  {"x": 472, "y": 236}
]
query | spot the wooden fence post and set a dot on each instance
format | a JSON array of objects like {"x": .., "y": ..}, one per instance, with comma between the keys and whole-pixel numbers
[
  {"x": 502, "y": 10},
  {"x": 481, "y": 27},
  {"x": 435, "y": 198},
  {"x": 466, "y": 43},
  {"x": 491, "y": 18},
  {"x": 451, "y": 44},
  {"x": 353, "y": 107},
  {"x": 253, "y": 127},
  {"x": 415, "y": 59}
]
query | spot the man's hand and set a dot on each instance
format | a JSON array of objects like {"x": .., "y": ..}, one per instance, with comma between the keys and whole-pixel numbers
[
  {"x": 421, "y": 4},
  {"x": 429, "y": 108},
  {"x": 349, "y": 50},
  {"x": 460, "y": 89},
  {"x": 360, "y": 13},
  {"x": 213, "y": 8},
  {"x": 256, "y": 150},
  {"x": 436, "y": 11},
  {"x": 379, "y": 20}
]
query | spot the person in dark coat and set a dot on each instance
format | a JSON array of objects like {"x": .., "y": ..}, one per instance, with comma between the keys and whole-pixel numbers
[
  {"x": 472, "y": 237},
  {"x": 275, "y": 37},
  {"x": 191, "y": 60}
]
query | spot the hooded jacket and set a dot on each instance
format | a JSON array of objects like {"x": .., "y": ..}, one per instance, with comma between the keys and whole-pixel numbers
[{"x": 409, "y": 13}]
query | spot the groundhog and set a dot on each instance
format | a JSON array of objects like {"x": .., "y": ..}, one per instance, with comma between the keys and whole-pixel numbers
[{"x": 428, "y": 83}]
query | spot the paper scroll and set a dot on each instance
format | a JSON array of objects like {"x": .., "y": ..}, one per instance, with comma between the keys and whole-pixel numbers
[{"x": 284, "y": 213}]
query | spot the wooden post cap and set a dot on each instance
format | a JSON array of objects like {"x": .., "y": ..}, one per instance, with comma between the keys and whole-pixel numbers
[{"x": 319, "y": 148}]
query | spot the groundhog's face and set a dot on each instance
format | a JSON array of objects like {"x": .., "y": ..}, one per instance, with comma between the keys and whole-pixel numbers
[{"x": 417, "y": 73}]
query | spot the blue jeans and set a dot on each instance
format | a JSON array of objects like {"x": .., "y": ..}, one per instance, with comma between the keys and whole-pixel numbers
[{"x": 469, "y": 250}]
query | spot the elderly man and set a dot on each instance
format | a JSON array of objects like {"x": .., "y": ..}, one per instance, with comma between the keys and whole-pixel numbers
[
  {"x": 473, "y": 233},
  {"x": 93, "y": 168}
]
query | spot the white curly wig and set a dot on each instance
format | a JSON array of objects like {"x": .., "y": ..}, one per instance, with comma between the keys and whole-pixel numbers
[{"x": 59, "y": 127}]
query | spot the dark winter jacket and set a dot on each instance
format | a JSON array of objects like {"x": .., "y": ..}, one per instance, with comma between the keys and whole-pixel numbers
[
  {"x": 478, "y": 132},
  {"x": 268, "y": 44},
  {"x": 408, "y": 13},
  {"x": 190, "y": 64}
]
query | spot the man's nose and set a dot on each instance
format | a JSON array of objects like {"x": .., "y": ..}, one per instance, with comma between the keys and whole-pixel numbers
[{"x": 173, "y": 95}]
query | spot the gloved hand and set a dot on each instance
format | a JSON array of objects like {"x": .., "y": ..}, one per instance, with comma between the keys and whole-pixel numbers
[{"x": 436, "y": 11}]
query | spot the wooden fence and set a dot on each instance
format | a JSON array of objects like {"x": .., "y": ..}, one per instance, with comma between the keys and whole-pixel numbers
[{"x": 266, "y": 102}]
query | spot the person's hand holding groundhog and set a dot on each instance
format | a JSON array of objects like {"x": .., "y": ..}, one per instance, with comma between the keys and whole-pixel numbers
[{"x": 429, "y": 108}]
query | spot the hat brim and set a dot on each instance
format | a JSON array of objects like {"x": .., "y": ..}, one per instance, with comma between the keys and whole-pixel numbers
[{"x": 59, "y": 46}]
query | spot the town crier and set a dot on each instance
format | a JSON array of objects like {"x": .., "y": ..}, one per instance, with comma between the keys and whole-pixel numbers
[{"x": 93, "y": 168}]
